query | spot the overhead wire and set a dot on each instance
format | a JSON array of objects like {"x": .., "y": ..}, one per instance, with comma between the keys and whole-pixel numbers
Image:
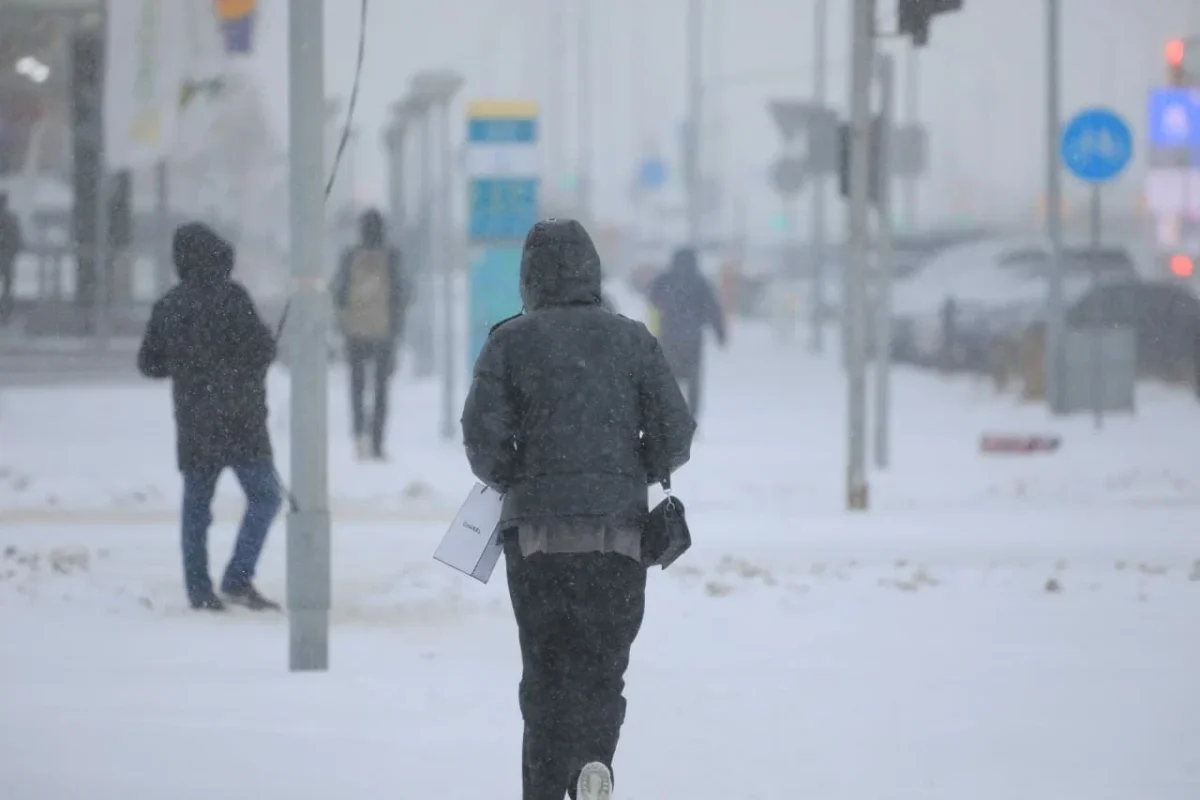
[
  {"x": 347, "y": 128},
  {"x": 343, "y": 140}
]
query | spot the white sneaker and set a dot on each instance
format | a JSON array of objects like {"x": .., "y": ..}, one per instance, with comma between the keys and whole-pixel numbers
[
  {"x": 363, "y": 444},
  {"x": 595, "y": 782}
]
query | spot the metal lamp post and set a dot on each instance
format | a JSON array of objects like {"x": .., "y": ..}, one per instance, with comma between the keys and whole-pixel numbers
[
  {"x": 424, "y": 355},
  {"x": 437, "y": 89},
  {"x": 394, "y": 140}
]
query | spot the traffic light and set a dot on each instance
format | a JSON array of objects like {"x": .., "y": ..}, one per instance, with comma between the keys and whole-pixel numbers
[
  {"x": 1181, "y": 266},
  {"x": 913, "y": 17},
  {"x": 1174, "y": 52},
  {"x": 874, "y": 147}
]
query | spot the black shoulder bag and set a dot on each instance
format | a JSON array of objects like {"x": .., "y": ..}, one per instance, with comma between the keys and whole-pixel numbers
[{"x": 665, "y": 534}]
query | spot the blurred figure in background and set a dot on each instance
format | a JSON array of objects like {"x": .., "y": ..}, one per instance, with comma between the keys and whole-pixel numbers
[
  {"x": 206, "y": 336},
  {"x": 949, "y": 323},
  {"x": 11, "y": 245},
  {"x": 371, "y": 293},
  {"x": 686, "y": 304}
]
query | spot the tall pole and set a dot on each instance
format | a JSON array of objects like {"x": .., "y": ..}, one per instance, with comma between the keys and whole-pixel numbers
[
  {"x": 308, "y": 570},
  {"x": 446, "y": 252},
  {"x": 861, "y": 68},
  {"x": 103, "y": 254},
  {"x": 556, "y": 28},
  {"x": 1054, "y": 322},
  {"x": 103, "y": 278},
  {"x": 819, "y": 187},
  {"x": 912, "y": 118},
  {"x": 399, "y": 190},
  {"x": 1096, "y": 216},
  {"x": 584, "y": 183},
  {"x": 163, "y": 270},
  {"x": 883, "y": 295},
  {"x": 425, "y": 352},
  {"x": 395, "y": 140},
  {"x": 695, "y": 119}
]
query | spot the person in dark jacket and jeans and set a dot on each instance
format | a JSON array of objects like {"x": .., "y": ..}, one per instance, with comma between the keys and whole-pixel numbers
[
  {"x": 206, "y": 336},
  {"x": 371, "y": 294},
  {"x": 686, "y": 305},
  {"x": 572, "y": 413}
]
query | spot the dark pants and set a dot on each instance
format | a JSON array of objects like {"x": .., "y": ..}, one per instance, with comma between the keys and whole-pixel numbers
[
  {"x": 693, "y": 387},
  {"x": 263, "y": 498},
  {"x": 379, "y": 358},
  {"x": 577, "y": 617},
  {"x": 685, "y": 356},
  {"x": 7, "y": 274}
]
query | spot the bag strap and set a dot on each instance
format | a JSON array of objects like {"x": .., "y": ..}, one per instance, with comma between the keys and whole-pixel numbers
[{"x": 666, "y": 486}]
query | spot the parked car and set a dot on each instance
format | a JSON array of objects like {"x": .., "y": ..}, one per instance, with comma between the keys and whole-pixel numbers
[
  {"x": 999, "y": 290},
  {"x": 1165, "y": 316}
]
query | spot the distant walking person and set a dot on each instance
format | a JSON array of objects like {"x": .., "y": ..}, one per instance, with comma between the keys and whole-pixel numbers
[
  {"x": 11, "y": 245},
  {"x": 206, "y": 336},
  {"x": 949, "y": 344},
  {"x": 686, "y": 305},
  {"x": 372, "y": 294}
]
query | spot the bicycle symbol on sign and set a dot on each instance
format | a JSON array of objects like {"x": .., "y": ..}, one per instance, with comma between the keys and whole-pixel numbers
[{"x": 1096, "y": 145}]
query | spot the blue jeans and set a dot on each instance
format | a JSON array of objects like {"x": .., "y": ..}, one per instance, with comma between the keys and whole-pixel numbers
[{"x": 263, "y": 499}]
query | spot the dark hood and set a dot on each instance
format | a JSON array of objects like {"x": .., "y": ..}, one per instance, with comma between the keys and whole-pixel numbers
[
  {"x": 559, "y": 266},
  {"x": 201, "y": 255},
  {"x": 370, "y": 229},
  {"x": 685, "y": 262}
]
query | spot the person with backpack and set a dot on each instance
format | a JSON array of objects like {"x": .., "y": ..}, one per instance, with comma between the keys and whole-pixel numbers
[
  {"x": 206, "y": 337},
  {"x": 572, "y": 414},
  {"x": 371, "y": 293}
]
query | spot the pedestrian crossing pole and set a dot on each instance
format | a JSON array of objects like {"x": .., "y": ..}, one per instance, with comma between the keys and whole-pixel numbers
[
  {"x": 861, "y": 70},
  {"x": 883, "y": 296},
  {"x": 308, "y": 549}
]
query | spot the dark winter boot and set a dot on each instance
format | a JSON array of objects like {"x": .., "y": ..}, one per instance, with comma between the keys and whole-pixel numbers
[
  {"x": 249, "y": 597},
  {"x": 209, "y": 603}
]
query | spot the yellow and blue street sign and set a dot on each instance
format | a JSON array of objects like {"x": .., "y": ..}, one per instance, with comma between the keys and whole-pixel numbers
[{"x": 504, "y": 202}]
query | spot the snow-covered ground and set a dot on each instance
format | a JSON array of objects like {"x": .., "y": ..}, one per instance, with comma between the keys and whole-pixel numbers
[
  {"x": 773, "y": 440},
  {"x": 993, "y": 628}
]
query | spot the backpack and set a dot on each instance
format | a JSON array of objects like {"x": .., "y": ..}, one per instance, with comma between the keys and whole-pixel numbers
[{"x": 367, "y": 313}]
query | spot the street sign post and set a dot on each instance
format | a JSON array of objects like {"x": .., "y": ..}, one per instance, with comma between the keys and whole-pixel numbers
[
  {"x": 1173, "y": 118},
  {"x": 504, "y": 203},
  {"x": 1096, "y": 146},
  {"x": 814, "y": 127},
  {"x": 309, "y": 576}
]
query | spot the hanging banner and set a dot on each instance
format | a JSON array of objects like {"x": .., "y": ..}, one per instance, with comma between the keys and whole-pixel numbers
[
  {"x": 237, "y": 25},
  {"x": 143, "y": 77}
]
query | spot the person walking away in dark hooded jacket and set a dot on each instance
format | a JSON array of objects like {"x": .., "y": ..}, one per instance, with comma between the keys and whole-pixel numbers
[
  {"x": 572, "y": 413},
  {"x": 207, "y": 338},
  {"x": 686, "y": 305},
  {"x": 10, "y": 247},
  {"x": 371, "y": 294}
]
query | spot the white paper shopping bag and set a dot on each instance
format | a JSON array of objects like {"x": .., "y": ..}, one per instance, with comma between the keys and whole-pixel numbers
[{"x": 472, "y": 544}]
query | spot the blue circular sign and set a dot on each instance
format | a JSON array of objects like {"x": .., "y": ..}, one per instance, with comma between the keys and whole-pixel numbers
[
  {"x": 1096, "y": 145},
  {"x": 652, "y": 174}
]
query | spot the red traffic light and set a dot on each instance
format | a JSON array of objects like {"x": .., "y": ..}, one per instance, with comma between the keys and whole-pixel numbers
[
  {"x": 1174, "y": 52},
  {"x": 1181, "y": 266}
]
